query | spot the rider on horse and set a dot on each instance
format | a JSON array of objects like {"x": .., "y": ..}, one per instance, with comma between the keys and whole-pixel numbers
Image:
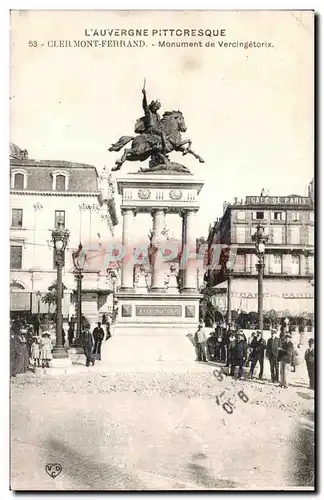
[
  {"x": 156, "y": 138},
  {"x": 152, "y": 120}
]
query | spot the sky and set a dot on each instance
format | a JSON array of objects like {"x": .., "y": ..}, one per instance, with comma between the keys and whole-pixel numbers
[{"x": 249, "y": 112}]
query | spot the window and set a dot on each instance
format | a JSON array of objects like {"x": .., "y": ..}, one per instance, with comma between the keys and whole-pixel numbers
[
  {"x": 59, "y": 217},
  {"x": 60, "y": 180},
  {"x": 277, "y": 235},
  {"x": 258, "y": 215},
  {"x": 294, "y": 268},
  {"x": 19, "y": 181},
  {"x": 278, "y": 215},
  {"x": 254, "y": 261},
  {"x": 275, "y": 263},
  {"x": 311, "y": 236},
  {"x": 295, "y": 235},
  {"x": 310, "y": 264},
  {"x": 15, "y": 257},
  {"x": 295, "y": 216},
  {"x": 17, "y": 217},
  {"x": 240, "y": 215},
  {"x": 240, "y": 235},
  {"x": 60, "y": 183},
  {"x": 311, "y": 216},
  {"x": 239, "y": 263}
]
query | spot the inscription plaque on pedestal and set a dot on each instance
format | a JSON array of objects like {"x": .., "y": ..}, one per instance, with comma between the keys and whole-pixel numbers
[{"x": 158, "y": 310}]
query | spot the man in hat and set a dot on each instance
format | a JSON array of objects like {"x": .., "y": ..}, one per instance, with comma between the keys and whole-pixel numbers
[
  {"x": 200, "y": 342},
  {"x": 253, "y": 352},
  {"x": 238, "y": 355},
  {"x": 230, "y": 348},
  {"x": 272, "y": 355},
  {"x": 212, "y": 344},
  {"x": 249, "y": 348},
  {"x": 98, "y": 336},
  {"x": 87, "y": 344},
  {"x": 258, "y": 346},
  {"x": 284, "y": 357},
  {"x": 310, "y": 362}
]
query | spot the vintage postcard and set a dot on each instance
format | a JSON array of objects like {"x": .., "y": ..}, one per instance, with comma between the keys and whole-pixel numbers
[{"x": 162, "y": 329}]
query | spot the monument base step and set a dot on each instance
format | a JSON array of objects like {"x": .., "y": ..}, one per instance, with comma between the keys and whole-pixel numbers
[{"x": 145, "y": 347}]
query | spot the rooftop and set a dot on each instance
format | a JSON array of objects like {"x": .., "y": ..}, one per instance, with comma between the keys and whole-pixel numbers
[{"x": 81, "y": 177}]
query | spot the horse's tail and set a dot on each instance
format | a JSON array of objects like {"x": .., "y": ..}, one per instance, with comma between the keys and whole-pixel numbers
[{"x": 117, "y": 146}]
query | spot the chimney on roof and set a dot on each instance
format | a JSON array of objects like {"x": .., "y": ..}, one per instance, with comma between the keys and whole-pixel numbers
[{"x": 225, "y": 205}]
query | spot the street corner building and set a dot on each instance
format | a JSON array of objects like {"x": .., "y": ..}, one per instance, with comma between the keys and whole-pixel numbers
[
  {"x": 288, "y": 279},
  {"x": 43, "y": 195}
]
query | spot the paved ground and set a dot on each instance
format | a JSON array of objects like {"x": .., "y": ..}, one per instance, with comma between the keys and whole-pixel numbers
[{"x": 159, "y": 431}]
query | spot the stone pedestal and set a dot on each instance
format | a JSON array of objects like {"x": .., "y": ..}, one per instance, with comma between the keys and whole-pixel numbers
[
  {"x": 159, "y": 316},
  {"x": 158, "y": 312}
]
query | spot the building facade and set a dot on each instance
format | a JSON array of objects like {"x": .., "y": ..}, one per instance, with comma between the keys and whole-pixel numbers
[
  {"x": 42, "y": 194},
  {"x": 289, "y": 255}
]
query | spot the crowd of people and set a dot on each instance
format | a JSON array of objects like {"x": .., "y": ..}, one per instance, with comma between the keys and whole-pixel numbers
[
  {"x": 222, "y": 344},
  {"x": 230, "y": 346},
  {"x": 32, "y": 346},
  {"x": 28, "y": 349}
]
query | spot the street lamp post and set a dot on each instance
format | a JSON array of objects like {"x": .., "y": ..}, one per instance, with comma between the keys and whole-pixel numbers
[
  {"x": 79, "y": 258},
  {"x": 260, "y": 239},
  {"x": 38, "y": 295},
  {"x": 60, "y": 237},
  {"x": 229, "y": 298}
]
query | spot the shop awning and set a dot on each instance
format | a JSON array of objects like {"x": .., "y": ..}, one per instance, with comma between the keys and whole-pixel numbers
[{"x": 20, "y": 301}]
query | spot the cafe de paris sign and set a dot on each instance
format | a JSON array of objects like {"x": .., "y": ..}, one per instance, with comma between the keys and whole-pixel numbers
[{"x": 277, "y": 200}]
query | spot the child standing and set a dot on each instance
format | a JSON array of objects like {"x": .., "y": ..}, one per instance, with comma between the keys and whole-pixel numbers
[
  {"x": 35, "y": 351},
  {"x": 46, "y": 350}
]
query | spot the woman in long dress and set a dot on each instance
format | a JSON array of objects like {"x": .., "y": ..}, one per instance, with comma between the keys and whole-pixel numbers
[{"x": 19, "y": 354}]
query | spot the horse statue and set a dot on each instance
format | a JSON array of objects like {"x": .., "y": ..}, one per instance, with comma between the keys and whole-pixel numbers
[{"x": 146, "y": 145}]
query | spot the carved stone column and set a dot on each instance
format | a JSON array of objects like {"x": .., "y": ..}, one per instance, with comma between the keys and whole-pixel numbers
[
  {"x": 158, "y": 268},
  {"x": 127, "y": 280},
  {"x": 189, "y": 252}
]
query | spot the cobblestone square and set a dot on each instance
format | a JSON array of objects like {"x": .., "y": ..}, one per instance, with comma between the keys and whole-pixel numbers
[{"x": 147, "y": 431}]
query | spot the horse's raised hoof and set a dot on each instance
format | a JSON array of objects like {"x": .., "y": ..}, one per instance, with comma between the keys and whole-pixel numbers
[
  {"x": 201, "y": 160},
  {"x": 117, "y": 166}
]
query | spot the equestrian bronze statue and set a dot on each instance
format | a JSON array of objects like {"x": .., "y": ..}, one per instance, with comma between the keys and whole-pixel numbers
[{"x": 157, "y": 137}]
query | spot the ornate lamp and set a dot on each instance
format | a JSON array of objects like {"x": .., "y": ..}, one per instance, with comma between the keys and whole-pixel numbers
[
  {"x": 260, "y": 239},
  {"x": 60, "y": 237}
]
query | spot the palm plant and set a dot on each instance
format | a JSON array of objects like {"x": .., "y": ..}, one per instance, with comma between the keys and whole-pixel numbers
[{"x": 50, "y": 297}]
